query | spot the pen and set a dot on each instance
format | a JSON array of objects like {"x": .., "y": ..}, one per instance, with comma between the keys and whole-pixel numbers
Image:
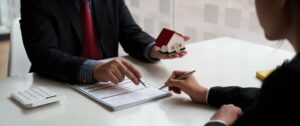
[
  {"x": 182, "y": 77},
  {"x": 143, "y": 83}
]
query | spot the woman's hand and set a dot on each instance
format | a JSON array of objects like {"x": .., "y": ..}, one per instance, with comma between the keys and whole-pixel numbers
[
  {"x": 227, "y": 113},
  {"x": 189, "y": 85}
]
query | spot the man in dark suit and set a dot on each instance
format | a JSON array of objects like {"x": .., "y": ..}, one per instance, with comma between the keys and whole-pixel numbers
[{"x": 65, "y": 38}]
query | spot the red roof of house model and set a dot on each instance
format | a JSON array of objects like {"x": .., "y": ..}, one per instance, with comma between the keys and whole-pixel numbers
[{"x": 165, "y": 37}]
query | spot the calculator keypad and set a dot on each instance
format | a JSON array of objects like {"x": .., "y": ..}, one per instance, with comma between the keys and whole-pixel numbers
[{"x": 33, "y": 95}]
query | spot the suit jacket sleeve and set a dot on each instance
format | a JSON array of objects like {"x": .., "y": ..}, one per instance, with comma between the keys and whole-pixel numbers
[
  {"x": 277, "y": 104},
  {"x": 42, "y": 46},
  {"x": 133, "y": 39},
  {"x": 242, "y": 97}
]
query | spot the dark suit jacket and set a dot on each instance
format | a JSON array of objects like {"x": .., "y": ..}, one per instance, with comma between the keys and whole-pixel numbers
[
  {"x": 52, "y": 36},
  {"x": 276, "y": 103}
]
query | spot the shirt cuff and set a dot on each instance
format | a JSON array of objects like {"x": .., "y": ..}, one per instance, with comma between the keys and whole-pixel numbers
[
  {"x": 147, "y": 52},
  {"x": 207, "y": 93},
  {"x": 86, "y": 71},
  {"x": 217, "y": 123}
]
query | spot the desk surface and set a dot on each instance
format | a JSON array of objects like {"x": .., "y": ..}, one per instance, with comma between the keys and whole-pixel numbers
[{"x": 221, "y": 61}]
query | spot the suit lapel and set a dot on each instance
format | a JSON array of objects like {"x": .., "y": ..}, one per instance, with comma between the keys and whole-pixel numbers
[{"x": 73, "y": 14}]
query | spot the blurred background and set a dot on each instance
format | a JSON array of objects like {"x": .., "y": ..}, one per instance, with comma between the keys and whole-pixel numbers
[
  {"x": 9, "y": 10},
  {"x": 200, "y": 19}
]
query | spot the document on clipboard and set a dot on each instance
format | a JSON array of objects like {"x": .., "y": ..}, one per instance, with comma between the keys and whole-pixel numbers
[{"x": 121, "y": 96}]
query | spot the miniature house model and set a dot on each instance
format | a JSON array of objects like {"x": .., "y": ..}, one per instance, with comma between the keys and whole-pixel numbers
[{"x": 170, "y": 41}]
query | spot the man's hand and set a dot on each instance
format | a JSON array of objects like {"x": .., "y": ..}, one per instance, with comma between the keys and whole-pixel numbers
[
  {"x": 115, "y": 71},
  {"x": 227, "y": 113},
  {"x": 158, "y": 55}
]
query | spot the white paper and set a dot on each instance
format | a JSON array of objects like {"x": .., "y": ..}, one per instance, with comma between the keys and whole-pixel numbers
[{"x": 122, "y": 95}]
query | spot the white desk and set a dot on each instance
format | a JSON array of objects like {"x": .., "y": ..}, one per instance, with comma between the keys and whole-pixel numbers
[{"x": 222, "y": 61}]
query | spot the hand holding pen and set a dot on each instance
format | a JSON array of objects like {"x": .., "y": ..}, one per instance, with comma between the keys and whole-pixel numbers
[
  {"x": 186, "y": 82},
  {"x": 182, "y": 77}
]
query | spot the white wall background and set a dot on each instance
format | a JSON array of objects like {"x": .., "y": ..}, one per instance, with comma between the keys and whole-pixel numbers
[
  {"x": 9, "y": 10},
  {"x": 200, "y": 19}
]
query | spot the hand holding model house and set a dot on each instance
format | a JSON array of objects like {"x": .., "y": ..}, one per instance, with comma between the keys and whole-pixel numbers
[
  {"x": 169, "y": 45},
  {"x": 171, "y": 42}
]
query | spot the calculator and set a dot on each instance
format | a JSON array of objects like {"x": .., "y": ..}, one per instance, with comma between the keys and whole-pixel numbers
[{"x": 36, "y": 97}]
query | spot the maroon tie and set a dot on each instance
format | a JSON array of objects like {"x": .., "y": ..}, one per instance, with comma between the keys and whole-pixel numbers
[{"x": 90, "y": 49}]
